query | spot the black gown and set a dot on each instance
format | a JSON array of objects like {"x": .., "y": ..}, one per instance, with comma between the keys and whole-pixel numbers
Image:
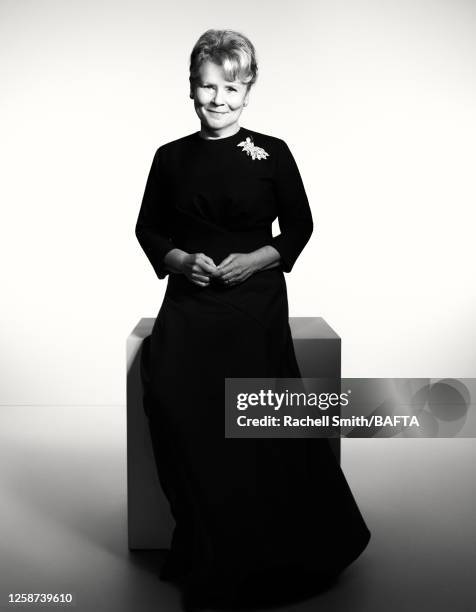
[{"x": 255, "y": 517}]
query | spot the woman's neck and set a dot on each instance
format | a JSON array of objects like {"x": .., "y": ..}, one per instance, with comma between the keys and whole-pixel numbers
[{"x": 209, "y": 134}]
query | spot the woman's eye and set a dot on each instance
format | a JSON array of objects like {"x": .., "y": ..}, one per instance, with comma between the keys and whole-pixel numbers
[{"x": 211, "y": 87}]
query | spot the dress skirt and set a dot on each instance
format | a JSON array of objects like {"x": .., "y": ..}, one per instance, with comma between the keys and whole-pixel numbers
[{"x": 254, "y": 517}]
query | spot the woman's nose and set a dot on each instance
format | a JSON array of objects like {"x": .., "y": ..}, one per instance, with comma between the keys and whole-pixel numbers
[{"x": 218, "y": 97}]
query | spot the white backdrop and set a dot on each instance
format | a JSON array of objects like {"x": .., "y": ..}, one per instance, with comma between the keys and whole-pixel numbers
[{"x": 376, "y": 99}]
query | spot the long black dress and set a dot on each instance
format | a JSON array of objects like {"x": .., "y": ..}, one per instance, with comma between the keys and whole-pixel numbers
[{"x": 253, "y": 516}]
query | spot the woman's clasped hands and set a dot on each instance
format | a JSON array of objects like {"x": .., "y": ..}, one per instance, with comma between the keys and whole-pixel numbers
[{"x": 234, "y": 269}]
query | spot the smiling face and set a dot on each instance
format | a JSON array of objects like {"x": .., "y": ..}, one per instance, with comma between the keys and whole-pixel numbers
[{"x": 218, "y": 102}]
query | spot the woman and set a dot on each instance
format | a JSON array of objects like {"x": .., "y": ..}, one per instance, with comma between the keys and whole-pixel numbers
[{"x": 255, "y": 518}]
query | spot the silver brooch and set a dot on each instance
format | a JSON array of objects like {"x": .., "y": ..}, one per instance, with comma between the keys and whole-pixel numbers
[{"x": 252, "y": 149}]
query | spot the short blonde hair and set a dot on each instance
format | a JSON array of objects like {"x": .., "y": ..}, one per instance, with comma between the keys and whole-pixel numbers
[{"x": 231, "y": 50}]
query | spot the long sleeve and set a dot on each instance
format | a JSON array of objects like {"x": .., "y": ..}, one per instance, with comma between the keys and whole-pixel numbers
[
  {"x": 153, "y": 225},
  {"x": 294, "y": 213}
]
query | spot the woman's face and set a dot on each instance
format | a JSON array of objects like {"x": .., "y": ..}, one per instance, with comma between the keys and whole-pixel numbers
[{"x": 218, "y": 102}]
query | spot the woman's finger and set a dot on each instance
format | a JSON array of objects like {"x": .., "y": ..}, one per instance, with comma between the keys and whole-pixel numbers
[
  {"x": 228, "y": 259},
  {"x": 201, "y": 277},
  {"x": 225, "y": 273},
  {"x": 206, "y": 267},
  {"x": 229, "y": 274}
]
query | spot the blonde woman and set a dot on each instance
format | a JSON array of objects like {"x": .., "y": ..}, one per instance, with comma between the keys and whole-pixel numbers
[{"x": 255, "y": 519}]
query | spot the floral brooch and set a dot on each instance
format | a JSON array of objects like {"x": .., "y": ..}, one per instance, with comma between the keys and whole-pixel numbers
[{"x": 252, "y": 149}]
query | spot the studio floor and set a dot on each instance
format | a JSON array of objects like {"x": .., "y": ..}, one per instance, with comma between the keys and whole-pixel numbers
[{"x": 63, "y": 518}]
